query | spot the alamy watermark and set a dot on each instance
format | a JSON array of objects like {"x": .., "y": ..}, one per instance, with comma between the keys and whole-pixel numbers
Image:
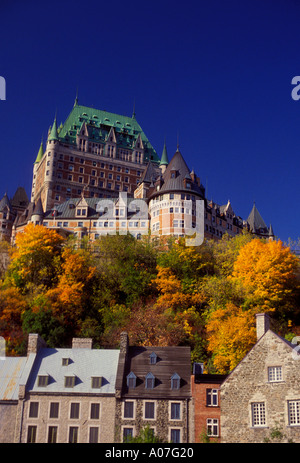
[
  {"x": 2, "y": 88},
  {"x": 183, "y": 217}
]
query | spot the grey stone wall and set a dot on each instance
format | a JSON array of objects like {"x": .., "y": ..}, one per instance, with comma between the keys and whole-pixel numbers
[
  {"x": 249, "y": 383},
  {"x": 162, "y": 422}
]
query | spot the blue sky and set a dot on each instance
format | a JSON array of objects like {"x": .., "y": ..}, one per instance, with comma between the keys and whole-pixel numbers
[{"x": 214, "y": 74}]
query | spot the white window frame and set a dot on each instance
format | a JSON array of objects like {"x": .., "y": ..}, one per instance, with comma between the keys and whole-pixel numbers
[
  {"x": 211, "y": 395},
  {"x": 258, "y": 414},
  {"x": 294, "y": 412},
  {"x": 275, "y": 374},
  {"x": 211, "y": 425}
]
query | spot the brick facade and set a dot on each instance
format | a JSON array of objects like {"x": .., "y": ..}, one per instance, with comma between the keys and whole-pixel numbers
[{"x": 207, "y": 411}]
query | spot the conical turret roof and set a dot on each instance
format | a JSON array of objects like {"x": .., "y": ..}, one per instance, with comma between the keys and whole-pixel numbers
[{"x": 53, "y": 134}]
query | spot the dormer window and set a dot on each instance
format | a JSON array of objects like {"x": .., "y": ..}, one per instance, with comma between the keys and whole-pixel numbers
[
  {"x": 65, "y": 361},
  {"x": 175, "y": 381},
  {"x": 153, "y": 358},
  {"x": 150, "y": 381},
  {"x": 70, "y": 381},
  {"x": 43, "y": 380},
  {"x": 96, "y": 382},
  {"x": 131, "y": 380}
]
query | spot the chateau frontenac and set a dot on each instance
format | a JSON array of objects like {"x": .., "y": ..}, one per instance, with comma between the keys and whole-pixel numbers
[{"x": 97, "y": 173}]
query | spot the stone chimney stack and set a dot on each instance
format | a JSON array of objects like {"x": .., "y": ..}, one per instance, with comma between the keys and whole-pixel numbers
[
  {"x": 124, "y": 343},
  {"x": 35, "y": 342},
  {"x": 82, "y": 343},
  {"x": 262, "y": 324}
]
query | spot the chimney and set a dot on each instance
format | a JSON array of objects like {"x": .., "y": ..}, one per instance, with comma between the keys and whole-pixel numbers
[
  {"x": 82, "y": 343},
  {"x": 35, "y": 343},
  {"x": 262, "y": 324},
  {"x": 124, "y": 343}
]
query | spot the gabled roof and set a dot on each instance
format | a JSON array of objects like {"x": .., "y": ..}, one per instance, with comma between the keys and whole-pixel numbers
[{"x": 269, "y": 333}]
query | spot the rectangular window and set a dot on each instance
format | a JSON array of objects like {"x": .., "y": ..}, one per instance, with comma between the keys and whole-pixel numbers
[
  {"x": 33, "y": 409},
  {"x": 94, "y": 435},
  {"x": 294, "y": 412},
  {"x": 212, "y": 427},
  {"x": 149, "y": 410},
  {"x": 54, "y": 410},
  {"x": 95, "y": 411},
  {"x": 73, "y": 435},
  {"x": 52, "y": 435},
  {"x": 128, "y": 409},
  {"x": 127, "y": 433},
  {"x": 31, "y": 434},
  {"x": 74, "y": 411},
  {"x": 212, "y": 397},
  {"x": 175, "y": 411},
  {"x": 175, "y": 436},
  {"x": 275, "y": 374},
  {"x": 258, "y": 414}
]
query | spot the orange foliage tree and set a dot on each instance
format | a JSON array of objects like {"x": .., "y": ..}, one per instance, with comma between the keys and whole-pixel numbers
[{"x": 69, "y": 298}]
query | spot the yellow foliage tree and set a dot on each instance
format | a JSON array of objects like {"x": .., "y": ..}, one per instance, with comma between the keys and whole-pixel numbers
[
  {"x": 268, "y": 272},
  {"x": 35, "y": 257},
  {"x": 231, "y": 334}
]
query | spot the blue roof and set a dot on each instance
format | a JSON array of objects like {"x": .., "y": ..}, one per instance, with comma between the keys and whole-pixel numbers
[{"x": 83, "y": 363}]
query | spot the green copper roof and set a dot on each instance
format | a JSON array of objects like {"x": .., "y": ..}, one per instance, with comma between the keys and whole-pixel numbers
[
  {"x": 99, "y": 124},
  {"x": 40, "y": 153},
  {"x": 53, "y": 134},
  {"x": 164, "y": 157}
]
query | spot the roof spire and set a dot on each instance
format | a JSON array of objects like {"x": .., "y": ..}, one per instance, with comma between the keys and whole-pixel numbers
[
  {"x": 76, "y": 99},
  {"x": 53, "y": 134},
  {"x": 40, "y": 153},
  {"x": 164, "y": 157},
  {"x": 133, "y": 112}
]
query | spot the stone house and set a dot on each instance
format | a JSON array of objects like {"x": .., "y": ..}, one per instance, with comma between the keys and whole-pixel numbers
[
  {"x": 153, "y": 388},
  {"x": 262, "y": 393},
  {"x": 206, "y": 405},
  {"x": 58, "y": 395}
]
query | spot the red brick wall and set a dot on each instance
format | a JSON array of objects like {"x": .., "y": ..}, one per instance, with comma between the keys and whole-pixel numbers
[{"x": 202, "y": 411}]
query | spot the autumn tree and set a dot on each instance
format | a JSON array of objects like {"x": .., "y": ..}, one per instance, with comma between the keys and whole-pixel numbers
[
  {"x": 231, "y": 334},
  {"x": 12, "y": 307},
  {"x": 268, "y": 271},
  {"x": 35, "y": 258}
]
